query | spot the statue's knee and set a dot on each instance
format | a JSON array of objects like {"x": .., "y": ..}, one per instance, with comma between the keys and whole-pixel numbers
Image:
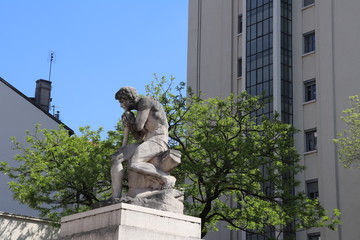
[
  {"x": 135, "y": 165},
  {"x": 132, "y": 165}
]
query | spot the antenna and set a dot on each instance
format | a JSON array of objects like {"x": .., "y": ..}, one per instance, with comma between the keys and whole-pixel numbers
[
  {"x": 57, "y": 114},
  {"x": 52, "y": 56},
  {"x": 53, "y": 109}
]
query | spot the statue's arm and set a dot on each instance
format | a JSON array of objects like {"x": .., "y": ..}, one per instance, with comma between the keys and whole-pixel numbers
[
  {"x": 142, "y": 115},
  {"x": 129, "y": 120},
  {"x": 137, "y": 124}
]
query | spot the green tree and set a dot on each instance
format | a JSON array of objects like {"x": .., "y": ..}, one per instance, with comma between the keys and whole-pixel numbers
[
  {"x": 348, "y": 141},
  {"x": 238, "y": 171},
  {"x": 59, "y": 174},
  {"x": 226, "y": 157}
]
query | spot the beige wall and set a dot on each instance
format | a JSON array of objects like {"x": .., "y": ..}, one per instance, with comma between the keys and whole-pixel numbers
[
  {"x": 17, "y": 116},
  {"x": 335, "y": 67},
  {"x": 211, "y": 60}
]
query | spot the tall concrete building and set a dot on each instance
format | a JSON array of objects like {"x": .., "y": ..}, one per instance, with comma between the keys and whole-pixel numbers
[{"x": 303, "y": 55}]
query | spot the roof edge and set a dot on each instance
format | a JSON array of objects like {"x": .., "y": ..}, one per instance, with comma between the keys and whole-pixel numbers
[{"x": 36, "y": 105}]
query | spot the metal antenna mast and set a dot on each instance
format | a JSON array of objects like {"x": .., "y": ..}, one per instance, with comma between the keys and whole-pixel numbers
[
  {"x": 51, "y": 61},
  {"x": 52, "y": 57}
]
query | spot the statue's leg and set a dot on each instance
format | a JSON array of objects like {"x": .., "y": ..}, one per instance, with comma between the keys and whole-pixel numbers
[
  {"x": 149, "y": 169},
  {"x": 139, "y": 162},
  {"x": 117, "y": 174},
  {"x": 117, "y": 170}
]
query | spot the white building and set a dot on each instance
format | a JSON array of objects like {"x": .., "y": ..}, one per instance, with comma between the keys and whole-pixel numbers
[
  {"x": 19, "y": 113},
  {"x": 15, "y": 226},
  {"x": 304, "y": 55}
]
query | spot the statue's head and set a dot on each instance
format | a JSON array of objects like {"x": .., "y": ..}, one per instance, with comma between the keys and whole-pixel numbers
[
  {"x": 128, "y": 93},
  {"x": 126, "y": 96}
]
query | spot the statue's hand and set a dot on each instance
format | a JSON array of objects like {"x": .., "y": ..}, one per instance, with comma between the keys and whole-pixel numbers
[{"x": 128, "y": 118}]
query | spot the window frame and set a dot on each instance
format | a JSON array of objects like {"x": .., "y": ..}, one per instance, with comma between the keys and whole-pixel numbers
[
  {"x": 310, "y": 135},
  {"x": 314, "y": 236},
  {"x": 305, "y": 4},
  {"x": 309, "y": 42},
  {"x": 310, "y": 95},
  {"x": 239, "y": 68},
  {"x": 240, "y": 24},
  {"x": 316, "y": 193}
]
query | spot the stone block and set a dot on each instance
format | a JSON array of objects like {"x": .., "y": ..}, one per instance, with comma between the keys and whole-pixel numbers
[
  {"x": 128, "y": 222},
  {"x": 167, "y": 161}
]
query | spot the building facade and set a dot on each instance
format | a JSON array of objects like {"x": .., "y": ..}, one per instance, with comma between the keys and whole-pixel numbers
[
  {"x": 301, "y": 54},
  {"x": 19, "y": 113},
  {"x": 14, "y": 226}
]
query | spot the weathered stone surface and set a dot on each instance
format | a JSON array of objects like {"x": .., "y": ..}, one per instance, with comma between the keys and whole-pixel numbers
[
  {"x": 150, "y": 160},
  {"x": 170, "y": 200},
  {"x": 129, "y": 222},
  {"x": 140, "y": 183},
  {"x": 167, "y": 161}
]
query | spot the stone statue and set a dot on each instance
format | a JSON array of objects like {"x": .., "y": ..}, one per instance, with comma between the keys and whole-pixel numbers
[{"x": 149, "y": 160}]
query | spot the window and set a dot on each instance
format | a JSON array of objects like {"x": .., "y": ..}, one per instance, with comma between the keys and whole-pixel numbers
[
  {"x": 239, "y": 71},
  {"x": 310, "y": 90},
  {"x": 312, "y": 189},
  {"x": 314, "y": 236},
  {"x": 269, "y": 233},
  {"x": 240, "y": 22},
  {"x": 308, "y": 2},
  {"x": 309, "y": 42},
  {"x": 310, "y": 140}
]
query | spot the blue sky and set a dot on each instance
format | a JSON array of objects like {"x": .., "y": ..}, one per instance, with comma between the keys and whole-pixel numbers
[{"x": 99, "y": 47}]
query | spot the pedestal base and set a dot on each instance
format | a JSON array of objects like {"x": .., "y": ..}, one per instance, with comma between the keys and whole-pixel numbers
[{"x": 128, "y": 222}]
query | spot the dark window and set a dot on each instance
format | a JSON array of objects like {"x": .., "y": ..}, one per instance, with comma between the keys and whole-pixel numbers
[
  {"x": 312, "y": 189},
  {"x": 258, "y": 69},
  {"x": 239, "y": 73},
  {"x": 310, "y": 90},
  {"x": 314, "y": 236},
  {"x": 240, "y": 24},
  {"x": 309, "y": 42},
  {"x": 269, "y": 234},
  {"x": 308, "y": 2},
  {"x": 310, "y": 140}
]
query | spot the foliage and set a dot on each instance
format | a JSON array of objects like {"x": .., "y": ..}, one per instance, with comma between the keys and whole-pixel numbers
[
  {"x": 349, "y": 140},
  {"x": 59, "y": 174},
  {"x": 235, "y": 170},
  {"x": 232, "y": 169}
]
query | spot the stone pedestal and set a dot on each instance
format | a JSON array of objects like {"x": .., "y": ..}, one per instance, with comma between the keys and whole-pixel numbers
[{"x": 128, "y": 222}]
